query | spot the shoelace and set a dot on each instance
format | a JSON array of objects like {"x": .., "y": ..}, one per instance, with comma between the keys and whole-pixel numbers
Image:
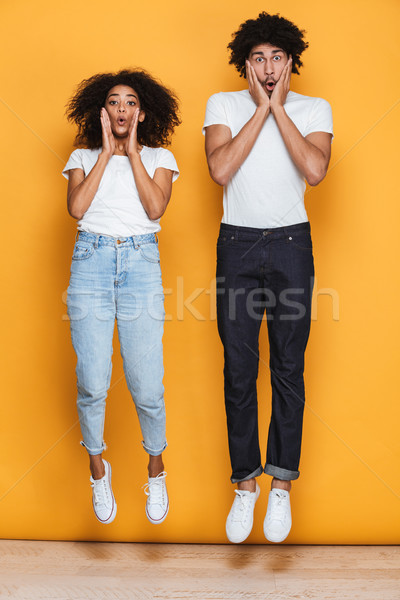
[
  {"x": 155, "y": 489},
  {"x": 101, "y": 492},
  {"x": 241, "y": 505},
  {"x": 279, "y": 506}
]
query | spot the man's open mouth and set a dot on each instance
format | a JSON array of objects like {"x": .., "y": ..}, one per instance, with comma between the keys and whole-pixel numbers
[{"x": 270, "y": 85}]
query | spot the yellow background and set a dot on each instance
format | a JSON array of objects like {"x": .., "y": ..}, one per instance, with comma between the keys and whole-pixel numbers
[{"x": 349, "y": 487}]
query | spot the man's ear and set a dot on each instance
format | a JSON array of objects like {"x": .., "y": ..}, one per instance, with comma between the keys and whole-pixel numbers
[{"x": 142, "y": 116}]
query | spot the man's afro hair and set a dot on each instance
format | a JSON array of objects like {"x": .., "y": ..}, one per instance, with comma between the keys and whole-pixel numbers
[{"x": 267, "y": 29}]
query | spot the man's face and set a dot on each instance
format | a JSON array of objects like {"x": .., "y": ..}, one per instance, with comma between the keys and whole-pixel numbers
[{"x": 268, "y": 62}]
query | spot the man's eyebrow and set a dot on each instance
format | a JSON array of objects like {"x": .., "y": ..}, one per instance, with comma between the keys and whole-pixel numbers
[
  {"x": 126, "y": 94},
  {"x": 272, "y": 52}
]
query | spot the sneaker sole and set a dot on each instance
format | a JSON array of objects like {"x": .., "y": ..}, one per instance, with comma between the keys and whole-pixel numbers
[
  {"x": 276, "y": 540},
  {"x": 157, "y": 521}
]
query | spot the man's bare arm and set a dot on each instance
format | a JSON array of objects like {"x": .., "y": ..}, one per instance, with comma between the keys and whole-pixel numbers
[
  {"x": 226, "y": 154},
  {"x": 311, "y": 154}
]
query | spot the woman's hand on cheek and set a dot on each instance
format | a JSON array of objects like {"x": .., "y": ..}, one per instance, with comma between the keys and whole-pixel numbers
[
  {"x": 108, "y": 140},
  {"x": 132, "y": 146}
]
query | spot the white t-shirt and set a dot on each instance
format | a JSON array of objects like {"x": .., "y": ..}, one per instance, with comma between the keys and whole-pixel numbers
[
  {"x": 116, "y": 208},
  {"x": 267, "y": 190}
]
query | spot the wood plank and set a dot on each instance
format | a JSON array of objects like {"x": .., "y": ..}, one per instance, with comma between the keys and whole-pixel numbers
[{"x": 100, "y": 570}]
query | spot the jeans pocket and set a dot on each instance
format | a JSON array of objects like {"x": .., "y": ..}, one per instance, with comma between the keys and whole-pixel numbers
[
  {"x": 301, "y": 240},
  {"x": 225, "y": 239},
  {"x": 150, "y": 252},
  {"x": 82, "y": 250}
]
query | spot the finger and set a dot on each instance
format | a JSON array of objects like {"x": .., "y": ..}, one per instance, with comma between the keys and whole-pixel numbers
[
  {"x": 254, "y": 80},
  {"x": 103, "y": 122},
  {"x": 252, "y": 73},
  {"x": 248, "y": 73},
  {"x": 106, "y": 117},
  {"x": 133, "y": 124},
  {"x": 289, "y": 70}
]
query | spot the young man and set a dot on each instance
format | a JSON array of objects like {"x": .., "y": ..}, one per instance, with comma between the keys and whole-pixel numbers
[{"x": 262, "y": 143}]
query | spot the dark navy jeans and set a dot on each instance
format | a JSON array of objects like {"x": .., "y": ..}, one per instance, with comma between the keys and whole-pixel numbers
[{"x": 271, "y": 272}]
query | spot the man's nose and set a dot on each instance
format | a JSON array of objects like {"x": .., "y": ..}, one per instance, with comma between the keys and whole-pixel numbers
[{"x": 269, "y": 67}]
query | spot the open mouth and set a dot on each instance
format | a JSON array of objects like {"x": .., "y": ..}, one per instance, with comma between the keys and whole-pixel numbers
[
  {"x": 121, "y": 121},
  {"x": 270, "y": 85}
]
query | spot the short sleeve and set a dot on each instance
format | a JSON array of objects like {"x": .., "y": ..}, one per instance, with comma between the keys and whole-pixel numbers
[
  {"x": 167, "y": 160},
  {"x": 320, "y": 117},
  {"x": 215, "y": 112},
  {"x": 74, "y": 162}
]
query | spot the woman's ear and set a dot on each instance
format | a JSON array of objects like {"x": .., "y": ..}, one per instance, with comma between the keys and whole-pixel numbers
[{"x": 142, "y": 116}]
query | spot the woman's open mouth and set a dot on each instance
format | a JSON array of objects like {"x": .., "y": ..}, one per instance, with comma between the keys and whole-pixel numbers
[{"x": 121, "y": 121}]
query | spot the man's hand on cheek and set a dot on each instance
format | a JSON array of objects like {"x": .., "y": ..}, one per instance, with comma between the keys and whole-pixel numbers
[
  {"x": 280, "y": 91},
  {"x": 256, "y": 90}
]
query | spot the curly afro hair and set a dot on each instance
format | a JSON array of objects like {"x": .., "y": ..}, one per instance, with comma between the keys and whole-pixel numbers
[
  {"x": 266, "y": 29},
  {"x": 159, "y": 103}
]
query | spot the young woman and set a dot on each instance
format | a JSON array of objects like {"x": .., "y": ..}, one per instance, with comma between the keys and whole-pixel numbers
[{"x": 119, "y": 185}]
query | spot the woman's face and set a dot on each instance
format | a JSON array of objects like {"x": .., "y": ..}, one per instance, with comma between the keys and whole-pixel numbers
[{"x": 120, "y": 104}]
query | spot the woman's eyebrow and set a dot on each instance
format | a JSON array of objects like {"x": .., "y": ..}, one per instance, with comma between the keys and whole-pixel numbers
[{"x": 126, "y": 95}]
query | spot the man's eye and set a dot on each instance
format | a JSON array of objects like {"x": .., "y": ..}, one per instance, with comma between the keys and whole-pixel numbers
[
  {"x": 277, "y": 57},
  {"x": 259, "y": 59}
]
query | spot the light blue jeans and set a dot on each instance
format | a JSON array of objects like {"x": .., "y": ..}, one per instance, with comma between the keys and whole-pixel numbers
[{"x": 118, "y": 278}]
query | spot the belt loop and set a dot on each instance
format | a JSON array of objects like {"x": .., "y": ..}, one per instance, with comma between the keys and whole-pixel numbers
[
  {"x": 77, "y": 236},
  {"x": 96, "y": 241},
  {"x": 156, "y": 236}
]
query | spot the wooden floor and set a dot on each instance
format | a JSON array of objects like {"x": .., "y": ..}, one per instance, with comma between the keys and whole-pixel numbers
[{"x": 81, "y": 570}]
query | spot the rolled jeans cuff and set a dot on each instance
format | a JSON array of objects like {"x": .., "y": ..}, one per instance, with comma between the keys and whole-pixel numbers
[
  {"x": 279, "y": 473},
  {"x": 94, "y": 451},
  {"x": 154, "y": 452},
  {"x": 255, "y": 473}
]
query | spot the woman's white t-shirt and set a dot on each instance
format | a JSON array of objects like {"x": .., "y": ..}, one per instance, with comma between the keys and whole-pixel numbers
[{"x": 116, "y": 208}]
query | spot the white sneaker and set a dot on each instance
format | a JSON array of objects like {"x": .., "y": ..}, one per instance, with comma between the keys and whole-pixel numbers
[
  {"x": 240, "y": 519},
  {"x": 157, "y": 504},
  {"x": 104, "y": 505},
  {"x": 278, "y": 520}
]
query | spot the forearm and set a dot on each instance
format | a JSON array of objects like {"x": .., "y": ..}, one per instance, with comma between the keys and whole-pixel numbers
[
  {"x": 82, "y": 195},
  {"x": 225, "y": 160},
  {"x": 308, "y": 158},
  {"x": 151, "y": 195}
]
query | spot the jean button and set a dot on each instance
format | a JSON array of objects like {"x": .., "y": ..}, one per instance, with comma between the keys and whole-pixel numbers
[{"x": 265, "y": 233}]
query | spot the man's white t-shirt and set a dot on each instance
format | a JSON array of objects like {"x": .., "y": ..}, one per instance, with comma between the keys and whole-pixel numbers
[
  {"x": 116, "y": 208},
  {"x": 267, "y": 190}
]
